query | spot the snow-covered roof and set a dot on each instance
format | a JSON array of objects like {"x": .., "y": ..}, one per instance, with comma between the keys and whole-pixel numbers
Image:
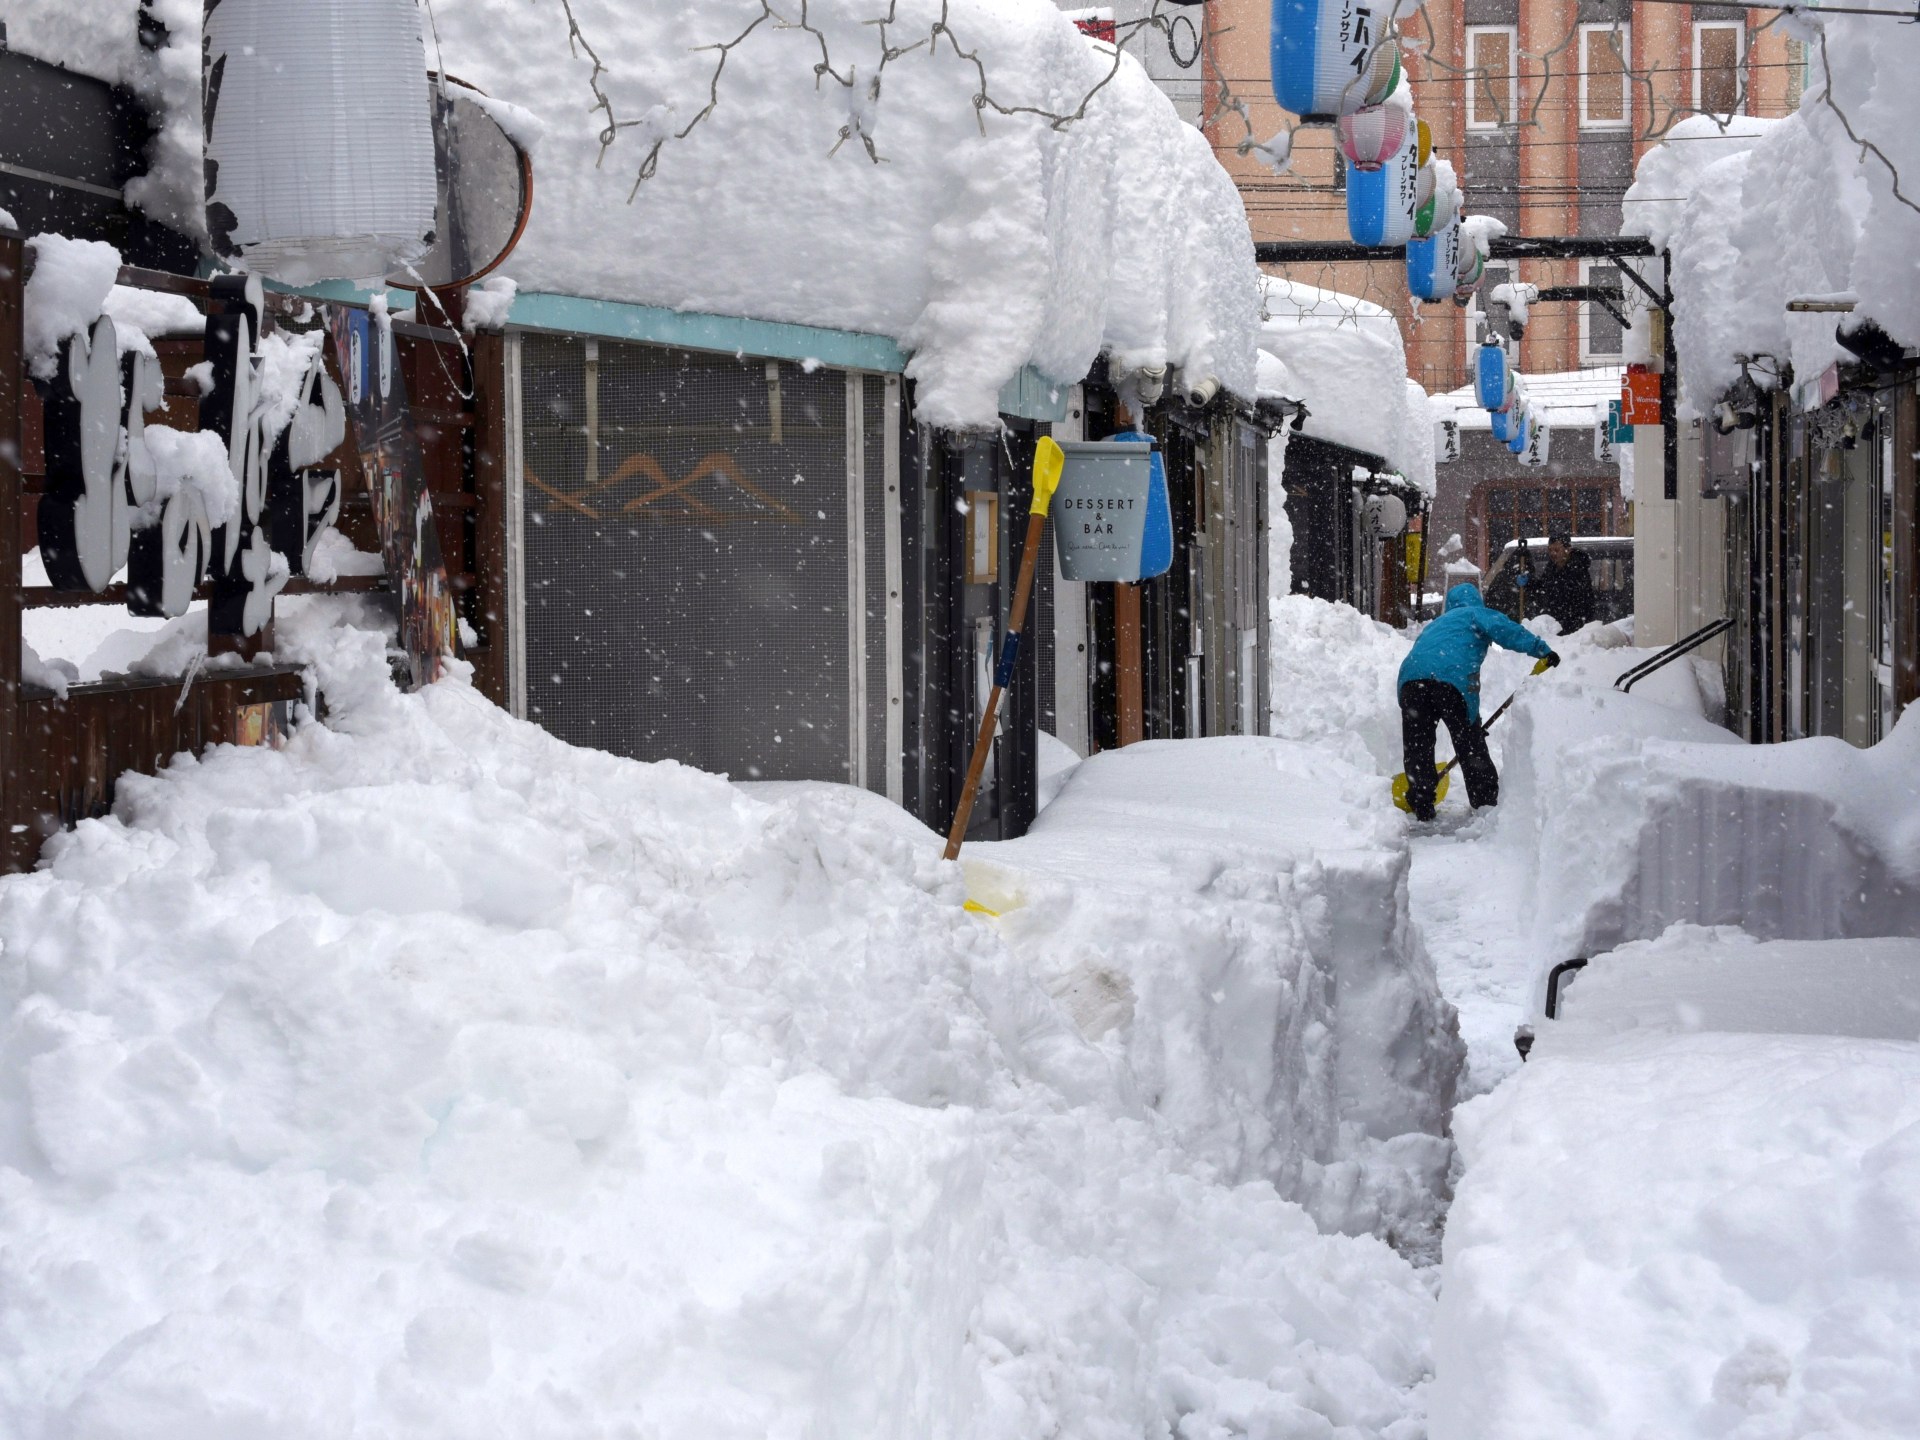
[
  {"x": 1760, "y": 213},
  {"x": 1344, "y": 358},
  {"x": 1560, "y": 400},
  {"x": 982, "y": 242}
]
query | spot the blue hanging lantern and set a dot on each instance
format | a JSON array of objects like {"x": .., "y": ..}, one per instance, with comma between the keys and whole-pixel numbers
[
  {"x": 1503, "y": 422},
  {"x": 1522, "y": 433},
  {"x": 1381, "y": 203},
  {"x": 1492, "y": 377},
  {"x": 1331, "y": 57},
  {"x": 1433, "y": 263}
]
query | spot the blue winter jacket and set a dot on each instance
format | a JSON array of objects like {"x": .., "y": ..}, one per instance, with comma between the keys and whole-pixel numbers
[{"x": 1454, "y": 646}]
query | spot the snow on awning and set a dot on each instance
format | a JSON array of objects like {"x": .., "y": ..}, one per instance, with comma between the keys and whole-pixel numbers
[
  {"x": 981, "y": 242},
  {"x": 1343, "y": 357}
]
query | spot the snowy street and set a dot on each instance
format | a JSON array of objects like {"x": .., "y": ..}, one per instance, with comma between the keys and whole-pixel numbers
[{"x": 959, "y": 720}]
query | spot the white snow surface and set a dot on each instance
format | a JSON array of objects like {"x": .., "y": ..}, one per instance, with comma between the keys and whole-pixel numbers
[
  {"x": 1559, "y": 400},
  {"x": 982, "y": 242},
  {"x": 430, "y": 1077},
  {"x": 1775, "y": 211},
  {"x": 1233, "y": 913},
  {"x": 1345, "y": 358},
  {"x": 1694, "y": 1213},
  {"x": 1635, "y": 819},
  {"x": 64, "y": 295}
]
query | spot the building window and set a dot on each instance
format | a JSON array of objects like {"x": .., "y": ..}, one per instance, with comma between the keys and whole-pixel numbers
[
  {"x": 1605, "y": 103},
  {"x": 1493, "y": 75},
  {"x": 1719, "y": 78},
  {"x": 1602, "y": 338}
]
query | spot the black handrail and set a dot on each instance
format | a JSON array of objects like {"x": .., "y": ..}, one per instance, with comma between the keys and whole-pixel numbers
[
  {"x": 1673, "y": 652},
  {"x": 1554, "y": 977},
  {"x": 1523, "y": 1037}
]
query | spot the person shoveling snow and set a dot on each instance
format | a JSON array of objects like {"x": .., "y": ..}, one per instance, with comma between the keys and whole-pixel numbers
[{"x": 1440, "y": 681}]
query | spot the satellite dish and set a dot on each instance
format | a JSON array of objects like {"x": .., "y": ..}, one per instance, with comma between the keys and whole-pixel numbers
[{"x": 486, "y": 192}]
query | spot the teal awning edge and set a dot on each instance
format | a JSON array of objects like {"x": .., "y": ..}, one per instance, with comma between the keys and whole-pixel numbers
[{"x": 691, "y": 330}]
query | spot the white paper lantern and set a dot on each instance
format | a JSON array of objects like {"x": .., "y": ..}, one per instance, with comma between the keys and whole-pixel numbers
[
  {"x": 1380, "y": 202},
  {"x": 319, "y": 137},
  {"x": 1330, "y": 57}
]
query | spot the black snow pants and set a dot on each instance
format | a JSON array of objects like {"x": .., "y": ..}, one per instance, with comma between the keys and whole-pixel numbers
[{"x": 1424, "y": 705}]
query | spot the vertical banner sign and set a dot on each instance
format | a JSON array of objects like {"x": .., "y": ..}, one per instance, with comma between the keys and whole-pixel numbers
[{"x": 389, "y": 449}]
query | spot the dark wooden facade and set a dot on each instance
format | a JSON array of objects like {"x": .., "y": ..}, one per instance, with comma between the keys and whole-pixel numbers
[{"x": 60, "y": 756}]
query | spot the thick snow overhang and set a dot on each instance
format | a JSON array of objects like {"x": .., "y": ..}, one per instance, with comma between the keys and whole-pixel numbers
[{"x": 981, "y": 244}]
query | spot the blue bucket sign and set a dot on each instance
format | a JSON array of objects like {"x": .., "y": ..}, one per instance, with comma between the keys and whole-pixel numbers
[{"x": 1112, "y": 519}]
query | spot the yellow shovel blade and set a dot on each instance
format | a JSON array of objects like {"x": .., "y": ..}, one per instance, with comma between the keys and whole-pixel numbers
[
  {"x": 1048, "y": 461},
  {"x": 1400, "y": 791}
]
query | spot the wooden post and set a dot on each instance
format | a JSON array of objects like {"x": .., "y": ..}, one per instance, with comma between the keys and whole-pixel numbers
[
  {"x": 17, "y": 843},
  {"x": 1127, "y": 662}
]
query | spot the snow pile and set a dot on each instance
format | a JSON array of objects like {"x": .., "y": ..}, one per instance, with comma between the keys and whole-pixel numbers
[
  {"x": 982, "y": 241},
  {"x": 153, "y": 313},
  {"x": 1345, "y": 359},
  {"x": 1230, "y": 916},
  {"x": 429, "y": 1077},
  {"x": 1689, "y": 1216},
  {"x": 194, "y": 460},
  {"x": 1640, "y": 816},
  {"x": 65, "y": 294},
  {"x": 1797, "y": 208},
  {"x": 1335, "y": 680}
]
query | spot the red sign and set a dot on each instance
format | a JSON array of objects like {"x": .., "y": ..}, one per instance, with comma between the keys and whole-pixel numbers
[{"x": 1640, "y": 396}]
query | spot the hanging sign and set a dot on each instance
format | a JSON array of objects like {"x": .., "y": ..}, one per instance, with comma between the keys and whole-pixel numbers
[
  {"x": 1493, "y": 386},
  {"x": 1381, "y": 203},
  {"x": 1331, "y": 57},
  {"x": 1433, "y": 263},
  {"x": 1523, "y": 428},
  {"x": 342, "y": 86},
  {"x": 1111, "y": 515},
  {"x": 1640, "y": 396},
  {"x": 1372, "y": 135},
  {"x": 1539, "y": 444}
]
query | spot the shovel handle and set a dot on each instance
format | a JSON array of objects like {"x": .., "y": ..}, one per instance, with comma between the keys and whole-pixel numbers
[{"x": 1048, "y": 461}]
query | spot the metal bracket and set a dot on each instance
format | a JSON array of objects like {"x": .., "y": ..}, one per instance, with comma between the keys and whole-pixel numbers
[{"x": 1590, "y": 294}]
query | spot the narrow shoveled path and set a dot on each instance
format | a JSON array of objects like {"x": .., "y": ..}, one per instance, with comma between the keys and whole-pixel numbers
[{"x": 1465, "y": 896}]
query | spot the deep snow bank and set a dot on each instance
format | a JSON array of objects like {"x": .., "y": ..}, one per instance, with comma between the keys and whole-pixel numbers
[
  {"x": 1638, "y": 817},
  {"x": 982, "y": 241},
  {"x": 1759, "y": 214},
  {"x": 429, "y": 1077},
  {"x": 1229, "y": 918},
  {"x": 1687, "y": 1217}
]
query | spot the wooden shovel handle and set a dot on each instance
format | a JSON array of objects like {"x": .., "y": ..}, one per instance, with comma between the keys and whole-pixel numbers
[{"x": 1003, "y": 675}]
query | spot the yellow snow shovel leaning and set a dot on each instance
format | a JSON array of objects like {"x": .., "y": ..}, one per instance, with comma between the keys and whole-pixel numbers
[
  {"x": 1048, "y": 461},
  {"x": 1440, "y": 790}
]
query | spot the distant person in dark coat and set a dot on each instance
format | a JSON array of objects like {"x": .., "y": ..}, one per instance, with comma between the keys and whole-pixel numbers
[
  {"x": 1440, "y": 685},
  {"x": 1564, "y": 588}
]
